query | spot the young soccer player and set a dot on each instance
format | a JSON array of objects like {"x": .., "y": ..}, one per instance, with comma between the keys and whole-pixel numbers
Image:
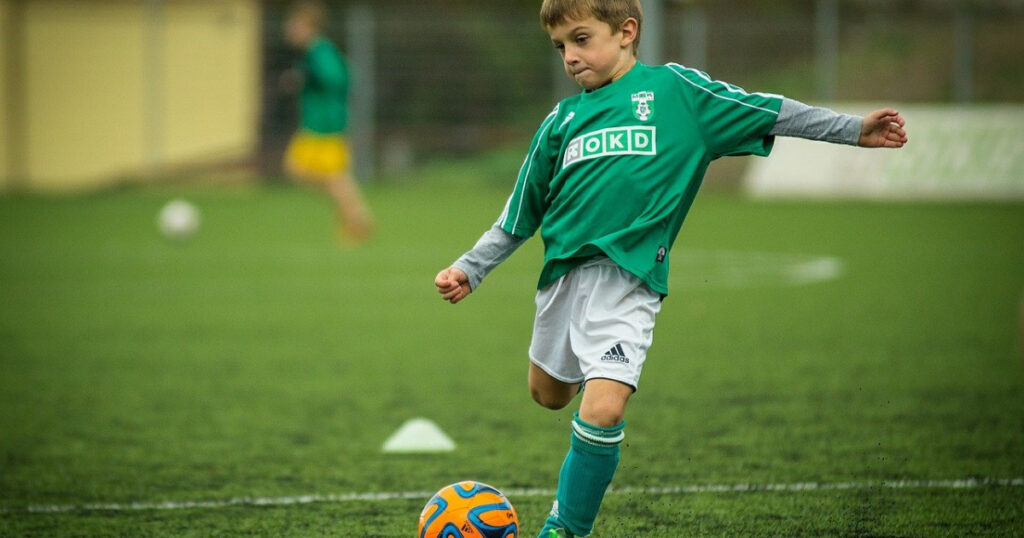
[
  {"x": 608, "y": 180},
  {"x": 318, "y": 152}
]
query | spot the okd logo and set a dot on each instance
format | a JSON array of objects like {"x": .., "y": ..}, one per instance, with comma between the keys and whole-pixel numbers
[{"x": 614, "y": 141}]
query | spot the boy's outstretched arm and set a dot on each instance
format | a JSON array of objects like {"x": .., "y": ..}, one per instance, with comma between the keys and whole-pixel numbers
[
  {"x": 883, "y": 129},
  {"x": 465, "y": 275}
]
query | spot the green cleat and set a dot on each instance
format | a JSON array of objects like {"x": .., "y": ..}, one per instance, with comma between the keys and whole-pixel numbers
[
  {"x": 555, "y": 532},
  {"x": 553, "y": 528}
]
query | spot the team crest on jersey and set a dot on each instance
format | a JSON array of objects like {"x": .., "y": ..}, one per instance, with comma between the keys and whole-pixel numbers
[{"x": 643, "y": 106}]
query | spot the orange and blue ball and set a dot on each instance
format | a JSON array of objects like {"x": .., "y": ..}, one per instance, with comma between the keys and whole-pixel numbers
[{"x": 468, "y": 509}]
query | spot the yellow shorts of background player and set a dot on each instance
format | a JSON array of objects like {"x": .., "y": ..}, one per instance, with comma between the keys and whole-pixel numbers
[{"x": 318, "y": 156}]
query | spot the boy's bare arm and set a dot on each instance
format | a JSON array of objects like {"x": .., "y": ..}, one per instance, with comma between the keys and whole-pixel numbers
[{"x": 883, "y": 129}]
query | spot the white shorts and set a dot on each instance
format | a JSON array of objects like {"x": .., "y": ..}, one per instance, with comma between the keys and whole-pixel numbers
[{"x": 597, "y": 321}]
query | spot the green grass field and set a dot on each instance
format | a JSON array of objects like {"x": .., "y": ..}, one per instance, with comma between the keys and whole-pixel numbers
[{"x": 260, "y": 360}]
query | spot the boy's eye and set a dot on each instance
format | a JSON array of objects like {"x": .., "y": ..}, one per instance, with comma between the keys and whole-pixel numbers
[{"x": 582, "y": 39}]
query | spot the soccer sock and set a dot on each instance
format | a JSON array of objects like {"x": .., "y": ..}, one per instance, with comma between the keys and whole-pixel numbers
[{"x": 586, "y": 472}]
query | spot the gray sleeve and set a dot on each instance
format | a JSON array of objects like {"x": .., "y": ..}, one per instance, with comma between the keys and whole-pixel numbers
[
  {"x": 490, "y": 250},
  {"x": 814, "y": 123}
]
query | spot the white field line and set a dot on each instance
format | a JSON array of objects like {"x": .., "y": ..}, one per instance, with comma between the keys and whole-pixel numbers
[{"x": 967, "y": 483}]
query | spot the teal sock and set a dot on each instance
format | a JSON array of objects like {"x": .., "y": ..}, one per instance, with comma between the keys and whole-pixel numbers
[{"x": 586, "y": 472}]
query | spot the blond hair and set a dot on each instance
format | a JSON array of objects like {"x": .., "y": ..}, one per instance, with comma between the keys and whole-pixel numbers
[{"x": 611, "y": 12}]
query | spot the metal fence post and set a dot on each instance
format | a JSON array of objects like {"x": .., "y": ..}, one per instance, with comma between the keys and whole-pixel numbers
[
  {"x": 826, "y": 45},
  {"x": 652, "y": 43},
  {"x": 361, "y": 46},
  {"x": 695, "y": 36},
  {"x": 963, "y": 54}
]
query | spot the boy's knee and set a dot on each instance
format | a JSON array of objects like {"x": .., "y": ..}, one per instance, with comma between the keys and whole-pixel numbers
[
  {"x": 605, "y": 414},
  {"x": 549, "y": 400},
  {"x": 604, "y": 402},
  {"x": 548, "y": 391},
  {"x": 291, "y": 168}
]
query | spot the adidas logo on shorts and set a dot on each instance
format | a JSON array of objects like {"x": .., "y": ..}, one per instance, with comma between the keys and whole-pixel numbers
[{"x": 616, "y": 354}]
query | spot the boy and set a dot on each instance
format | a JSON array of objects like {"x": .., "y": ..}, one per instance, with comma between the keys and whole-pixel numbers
[
  {"x": 608, "y": 179},
  {"x": 318, "y": 152}
]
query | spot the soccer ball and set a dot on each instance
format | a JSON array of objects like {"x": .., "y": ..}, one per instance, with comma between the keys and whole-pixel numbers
[
  {"x": 178, "y": 220},
  {"x": 468, "y": 510}
]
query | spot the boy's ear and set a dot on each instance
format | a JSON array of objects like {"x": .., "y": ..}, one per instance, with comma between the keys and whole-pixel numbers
[{"x": 629, "y": 30}]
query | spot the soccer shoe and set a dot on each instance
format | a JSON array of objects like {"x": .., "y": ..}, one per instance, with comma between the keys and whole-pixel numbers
[{"x": 551, "y": 531}]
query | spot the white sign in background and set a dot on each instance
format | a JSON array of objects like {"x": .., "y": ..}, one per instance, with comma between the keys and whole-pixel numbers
[{"x": 954, "y": 152}]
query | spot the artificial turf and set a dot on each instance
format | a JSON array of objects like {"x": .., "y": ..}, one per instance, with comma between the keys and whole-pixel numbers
[{"x": 260, "y": 359}]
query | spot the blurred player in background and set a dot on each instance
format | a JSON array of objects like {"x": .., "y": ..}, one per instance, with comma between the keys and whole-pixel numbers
[
  {"x": 608, "y": 180},
  {"x": 318, "y": 152}
]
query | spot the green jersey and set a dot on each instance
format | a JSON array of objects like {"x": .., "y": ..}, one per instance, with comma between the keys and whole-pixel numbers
[
  {"x": 325, "y": 90},
  {"x": 614, "y": 171}
]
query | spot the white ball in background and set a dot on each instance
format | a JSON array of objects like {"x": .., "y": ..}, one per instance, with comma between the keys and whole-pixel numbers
[{"x": 178, "y": 220}]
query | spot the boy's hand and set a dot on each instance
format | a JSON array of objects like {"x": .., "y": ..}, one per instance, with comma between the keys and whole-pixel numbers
[
  {"x": 883, "y": 129},
  {"x": 290, "y": 82},
  {"x": 452, "y": 284}
]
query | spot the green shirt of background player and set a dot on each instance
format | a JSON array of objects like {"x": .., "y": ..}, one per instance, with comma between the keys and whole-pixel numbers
[
  {"x": 325, "y": 89},
  {"x": 608, "y": 180},
  {"x": 318, "y": 152}
]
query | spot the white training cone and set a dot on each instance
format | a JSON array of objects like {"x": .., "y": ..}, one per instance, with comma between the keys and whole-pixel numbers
[{"x": 418, "y": 435}]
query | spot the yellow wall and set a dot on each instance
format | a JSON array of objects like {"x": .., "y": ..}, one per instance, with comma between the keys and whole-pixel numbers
[
  {"x": 83, "y": 91},
  {"x": 5, "y": 159},
  {"x": 116, "y": 88},
  {"x": 211, "y": 74}
]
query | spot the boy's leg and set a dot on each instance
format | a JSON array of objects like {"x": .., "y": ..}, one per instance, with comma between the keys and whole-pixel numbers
[
  {"x": 325, "y": 162},
  {"x": 555, "y": 373},
  {"x": 355, "y": 218},
  {"x": 548, "y": 391},
  {"x": 588, "y": 468},
  {"x": 604, "y": 402},
  {"x": 594, "y": 323},
  {"x": 611, "y": 328}
]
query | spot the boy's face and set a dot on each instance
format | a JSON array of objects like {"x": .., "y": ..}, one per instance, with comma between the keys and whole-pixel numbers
[
  {"x": 592, "y": 53},
  {"x": 299, "y": 30}
]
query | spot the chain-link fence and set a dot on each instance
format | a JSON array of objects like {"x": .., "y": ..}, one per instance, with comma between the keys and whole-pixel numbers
[{"x": 451, "y": 77}]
